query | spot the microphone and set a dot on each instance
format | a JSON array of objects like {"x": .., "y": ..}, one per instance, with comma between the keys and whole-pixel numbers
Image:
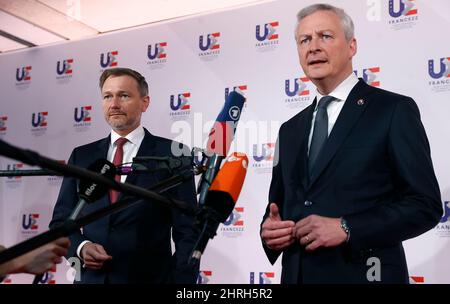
[
  {"x": 219, "y": 140},
  {"x": 90, "y": 191},
  {"x": 222, "y": 196}
]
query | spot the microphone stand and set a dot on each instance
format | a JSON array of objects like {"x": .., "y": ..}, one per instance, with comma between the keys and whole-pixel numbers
[
  {"x": 12, "y": 173},
  {"x": 72, "y": 225}
]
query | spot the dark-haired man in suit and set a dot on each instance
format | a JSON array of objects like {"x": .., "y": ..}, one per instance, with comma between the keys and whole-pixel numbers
[
  {"x": 133, "y": 245},
  {"x": 353, "y": 176}
]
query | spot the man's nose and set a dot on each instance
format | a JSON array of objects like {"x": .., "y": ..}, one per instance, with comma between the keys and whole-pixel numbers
[
  {"x": 314, "y": 45},
  {"x": 115, "y": 102}
]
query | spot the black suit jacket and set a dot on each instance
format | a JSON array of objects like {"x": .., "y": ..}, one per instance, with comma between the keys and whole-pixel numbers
[
  {"x": 138, "y": 238},
  {"x": 374, "y": 170}
]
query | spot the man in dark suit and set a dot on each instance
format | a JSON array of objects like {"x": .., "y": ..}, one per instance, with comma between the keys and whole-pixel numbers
[
  {"x": 352, "y": 177},
  {"x": 133, "y": 245}
]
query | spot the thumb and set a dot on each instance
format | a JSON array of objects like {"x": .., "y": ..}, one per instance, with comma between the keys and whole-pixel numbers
[{"x": 274, "y": 213}]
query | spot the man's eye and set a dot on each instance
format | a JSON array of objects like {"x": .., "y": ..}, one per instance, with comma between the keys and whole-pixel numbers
[
  {"x": 326, "y": 37},
  {"x": 107, "y": 97}
]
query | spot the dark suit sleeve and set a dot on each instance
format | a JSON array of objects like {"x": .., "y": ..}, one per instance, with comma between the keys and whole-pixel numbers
[
  {"x": 416, "y": 206},
  {"x": 67, "y": 199},
  {"x": 183, "y": 233},
  {"x": 276, "y": 195}
]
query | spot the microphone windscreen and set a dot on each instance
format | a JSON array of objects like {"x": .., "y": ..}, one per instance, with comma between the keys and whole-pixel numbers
[
  {"x": 226, "y": 187},
  {"x": 91, "y": 191},
  {"x": 232, "y": 175},
  {"x": 222, "y": 132}
]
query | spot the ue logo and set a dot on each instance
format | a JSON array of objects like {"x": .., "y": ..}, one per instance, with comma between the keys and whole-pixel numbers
[
  {"x": 267, "y": 151},
  {"x": 49, "y": 277},
  {"x": 3, "y": 120},
  {"x": 240, "y": 89},
  {"x": 446, "y": 216},
  {"x": 158, "y": 51},
  {"x": 110, "y": 60},
  {"x": 444, "y": 68},
  {"x": 65, "y": 67},
  {"x": 14, "y": 167},
  {"x": 82, "y": 114},
  {"x": 299, "y": 87},
  {"x": 264, "y": 277},
  {"x": 29, "y": 221},
  {"x": 38, "y": 119},
  {"x": 405, "y": 8},
  {"x": 212, "y": 42},
  {"x": 23, "y": 74},
  {"x": 235, "y": 217},
  {"x": 182, "y": 102},
  {"x": 204, "y": 276},
  {"x": 370, "y": 76},
  {"x": 269, "y": 31}
]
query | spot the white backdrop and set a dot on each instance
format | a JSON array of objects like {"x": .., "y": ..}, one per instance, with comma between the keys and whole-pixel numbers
[{"x": 50, "y": 103}]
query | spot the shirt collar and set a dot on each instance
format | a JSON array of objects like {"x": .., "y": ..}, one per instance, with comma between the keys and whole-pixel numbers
[
  {"x": 135, "y": 136},
  {"x": 342, "y": 91}
]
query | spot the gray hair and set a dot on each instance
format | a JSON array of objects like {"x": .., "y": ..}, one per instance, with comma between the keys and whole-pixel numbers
[{"x": 346, "y": 21}]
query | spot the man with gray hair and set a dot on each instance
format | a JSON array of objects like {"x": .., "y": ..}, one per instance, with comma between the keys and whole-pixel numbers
[{"x": 353, "y": 176}]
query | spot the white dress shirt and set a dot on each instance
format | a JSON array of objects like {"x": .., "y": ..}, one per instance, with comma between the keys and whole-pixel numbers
[
  {"x": 130, "y": 149},
  {"x": 334, "y": 108}
]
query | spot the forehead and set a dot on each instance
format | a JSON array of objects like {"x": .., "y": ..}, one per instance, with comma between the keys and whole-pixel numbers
[
  {"x": 120, "y": 83},
  {"x": 318, "y": 22}
]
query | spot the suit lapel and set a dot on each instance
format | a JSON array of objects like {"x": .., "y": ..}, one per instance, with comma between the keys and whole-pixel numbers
[{"x": 354, "y": 106}]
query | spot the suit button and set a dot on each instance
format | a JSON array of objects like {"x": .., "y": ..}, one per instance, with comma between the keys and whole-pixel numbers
[{"x": 308, "y": 203}]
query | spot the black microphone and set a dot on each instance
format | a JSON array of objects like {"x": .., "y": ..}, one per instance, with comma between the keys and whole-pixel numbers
[
  {"x": 90, "y": 191},
  {"x": 219, "y": 141},
  {"x": 152, "y": 164},
  {"x": 220, "y": 201}
]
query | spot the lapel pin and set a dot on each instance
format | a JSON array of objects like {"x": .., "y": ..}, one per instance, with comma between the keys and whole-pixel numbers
[{"x": 360, "y": 102}]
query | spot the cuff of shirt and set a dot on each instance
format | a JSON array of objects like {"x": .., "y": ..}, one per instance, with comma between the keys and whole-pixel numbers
[{"x": 80, "y": 247}]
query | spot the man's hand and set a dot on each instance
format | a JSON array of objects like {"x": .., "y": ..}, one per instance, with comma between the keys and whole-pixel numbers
[
  {"x": 277, "y": 234},
  {"x": 94, "y": 255},
  {"x": 39, "y": 260},
  {"x": 317, "y": 231}
]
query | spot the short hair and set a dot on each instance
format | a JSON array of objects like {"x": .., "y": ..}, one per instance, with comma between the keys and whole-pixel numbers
[
  {"x": 142, "y": 83},
  {"x": 346, "y": 20}
]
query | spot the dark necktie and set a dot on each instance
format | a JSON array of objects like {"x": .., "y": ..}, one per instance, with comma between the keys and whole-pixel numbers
[
  {"x": 117, "y": 161},
  {"x": 320, "y": 132}
]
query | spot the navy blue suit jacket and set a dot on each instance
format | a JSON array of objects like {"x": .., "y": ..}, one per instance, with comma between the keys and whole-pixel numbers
[
  {"x": 374, "y": 170},
  {"x": 138, "y": 238}
]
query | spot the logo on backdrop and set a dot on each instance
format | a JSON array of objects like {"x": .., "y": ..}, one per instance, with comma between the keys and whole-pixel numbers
[
  {"x": 370, "y": 76},
  {"x": 64, "y": 69},
  {"x": 416, "y": 280},
  {"x": 263, "y": 277},
  {"x": 109, "y": 59},
  {"x": 443, "y": 228},
  {"x": 263, "y": 157},
  {"x": 180, "y": 105},
  {"x": 209, "y": 46},
  {"x": 14, "y": 181},
  {"x": 30, "y": 223},
  {"x": 234, "y": 224},
  {"x": 298, "y": 92},
  {"x": 23, "y": 75},
  {"x": 49, "y": 277},
  {"x": 82, "y": 118},
  {"x": 157, "y": 55},
  {"x": 403, "y": 14},
  {"x": 266, "y": 36},
  {"x": 439, "y": 72},
  {"x": 39, "y": 123},
  {"x": 3, "y": 127},
  {"x": 204, "y": 276}
]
